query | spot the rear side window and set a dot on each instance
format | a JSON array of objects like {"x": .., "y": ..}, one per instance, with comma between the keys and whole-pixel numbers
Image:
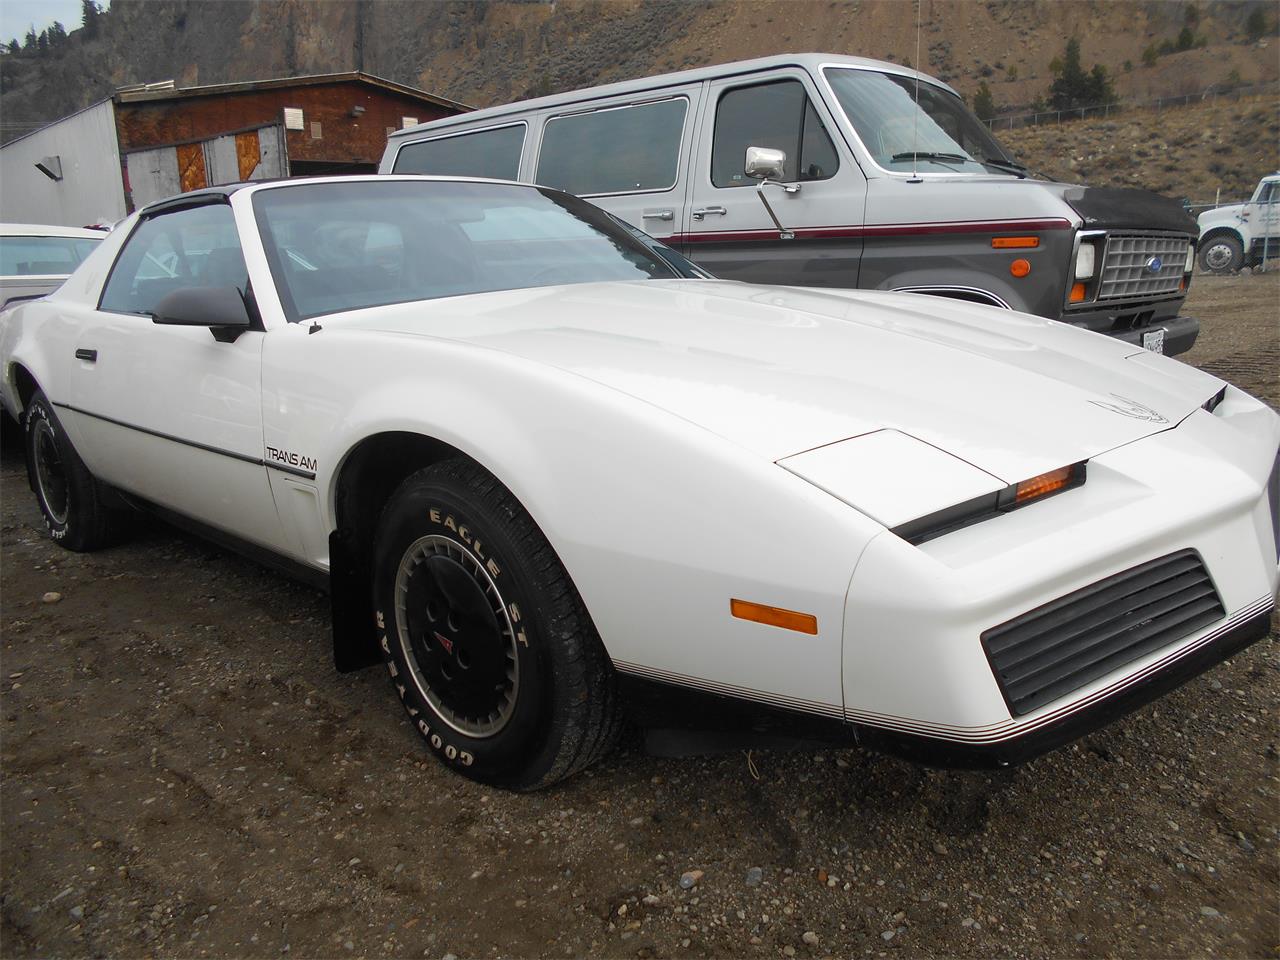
[
  {"x": 618, "y": 150},
  {"x": 487, "y": 153},
  {"x": 196, "y": 247},
  {"x": 42, "y": 256},
  {"x": 776, "y": 115}
]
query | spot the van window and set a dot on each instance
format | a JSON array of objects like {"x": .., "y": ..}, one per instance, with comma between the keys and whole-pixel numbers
[
  {"x": 777, "y": 115},
  {"x": 620, "y": 150},
  {"x": 485, "y": 153}
]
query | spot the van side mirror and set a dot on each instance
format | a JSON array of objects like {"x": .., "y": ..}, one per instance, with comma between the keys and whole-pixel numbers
[
  {"x": 221, "y": 309},
  {"x": 764, "y": 163},
  {"x": 769, "y": 166}
]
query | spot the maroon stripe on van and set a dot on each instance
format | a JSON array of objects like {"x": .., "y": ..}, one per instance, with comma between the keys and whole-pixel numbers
[{"x": 872, "y": 230}]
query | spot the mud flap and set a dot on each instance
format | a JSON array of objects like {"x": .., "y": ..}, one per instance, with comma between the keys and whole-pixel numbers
[{"x": 355, "y": 644}]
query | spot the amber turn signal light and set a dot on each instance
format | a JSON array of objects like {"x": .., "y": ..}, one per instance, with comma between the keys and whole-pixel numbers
[
  {"x": 1077, "y": 292},
  {"x": 1012, "y": 243},
  {"x": 1043, "y": 485},
  {"x": 1020, "y": 267},
  {"x": 774, "y": 616}
]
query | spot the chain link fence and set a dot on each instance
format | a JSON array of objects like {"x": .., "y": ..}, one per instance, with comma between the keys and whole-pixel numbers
[{"x": 1212, "y": 93}]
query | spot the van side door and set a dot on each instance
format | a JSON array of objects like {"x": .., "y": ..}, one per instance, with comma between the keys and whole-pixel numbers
[
  {"x": 730, "y": 232},
  {"x": 627, "y": 155}
]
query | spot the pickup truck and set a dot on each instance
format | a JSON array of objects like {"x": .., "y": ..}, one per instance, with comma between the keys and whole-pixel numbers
[{"x": 1236, "y": 235}]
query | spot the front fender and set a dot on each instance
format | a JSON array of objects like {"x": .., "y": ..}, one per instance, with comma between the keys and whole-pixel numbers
[{"x": 659, "y": 522}]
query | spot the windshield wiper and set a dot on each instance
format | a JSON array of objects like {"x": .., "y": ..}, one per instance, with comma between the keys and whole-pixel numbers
[
  {"x": 939, "y": 157},
  {"x": 1012, "y": 166}
]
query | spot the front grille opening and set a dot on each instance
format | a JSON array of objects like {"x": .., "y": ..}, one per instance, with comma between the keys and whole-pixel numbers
[
  {"x": 1062, "y": 646},
  {"x": 1127, "y": 265}
]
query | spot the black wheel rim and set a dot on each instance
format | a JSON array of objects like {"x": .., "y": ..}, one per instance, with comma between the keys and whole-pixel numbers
[
  {"x": 456, "y": 636},
  {"x": 51, "y": 475}
]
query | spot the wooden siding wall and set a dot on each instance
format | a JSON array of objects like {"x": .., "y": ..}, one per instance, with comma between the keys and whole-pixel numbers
[{"x": 344, "y": 139}]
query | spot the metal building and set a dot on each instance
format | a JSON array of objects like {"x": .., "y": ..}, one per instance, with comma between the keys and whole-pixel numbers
[{"x": 151, "y": 141}]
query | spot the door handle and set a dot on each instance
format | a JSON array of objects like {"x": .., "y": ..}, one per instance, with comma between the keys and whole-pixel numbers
[
  {"x": 701, "y": 212},
  {"x": 659, "y": 214},
  {"x": 89, "y": 355}
]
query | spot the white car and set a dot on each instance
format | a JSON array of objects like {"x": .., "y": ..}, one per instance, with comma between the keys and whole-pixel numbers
[
  {"x": 1242, "y": 234},
  {"x": 36, "y": 258},
  {"x": 531, "y": 456}
]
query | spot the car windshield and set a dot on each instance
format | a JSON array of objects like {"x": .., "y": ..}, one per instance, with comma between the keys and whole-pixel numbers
[
  {"x": 43, "y": 256},
  {"x": 348, "y": 245},
  {"x": 940, "y": 135}
]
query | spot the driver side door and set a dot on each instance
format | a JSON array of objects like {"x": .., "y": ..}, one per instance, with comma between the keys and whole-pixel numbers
[{"x": 167, "y": 412}]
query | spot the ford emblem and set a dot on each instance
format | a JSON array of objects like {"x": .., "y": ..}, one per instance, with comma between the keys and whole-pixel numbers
[{"x": 1154, "y": 265}]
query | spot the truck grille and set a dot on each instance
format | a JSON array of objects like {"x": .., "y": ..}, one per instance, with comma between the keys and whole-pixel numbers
[
  {"x": 1124, "y": 266},
  {"x": 1045, "y": 654}
]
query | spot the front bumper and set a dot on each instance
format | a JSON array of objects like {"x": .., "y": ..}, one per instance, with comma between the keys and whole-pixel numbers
[
  {"x": 1079, "y": 719},
  {"x": 917, "y": 680},
  {"x": 1179, "y": 332}
]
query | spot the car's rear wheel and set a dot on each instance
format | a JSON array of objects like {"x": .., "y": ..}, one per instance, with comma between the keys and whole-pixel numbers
[
  {"x": 1221, "y": 253},
  {"x": 487, "y": 641},
  {"x": 72, "y": 502}
]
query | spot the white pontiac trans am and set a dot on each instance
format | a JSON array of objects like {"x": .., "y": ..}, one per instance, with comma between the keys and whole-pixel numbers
[{"x": 533, "y": 454}]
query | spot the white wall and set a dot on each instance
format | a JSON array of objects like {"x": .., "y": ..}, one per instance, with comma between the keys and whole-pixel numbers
[{"x": 91, "y": 189}]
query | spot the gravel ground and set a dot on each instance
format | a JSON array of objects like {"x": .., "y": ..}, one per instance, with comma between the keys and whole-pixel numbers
[{"x": 185, "y": 775}]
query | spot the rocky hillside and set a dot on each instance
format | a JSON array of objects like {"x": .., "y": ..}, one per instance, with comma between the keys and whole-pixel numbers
[
  {"x": 1193, "y": 152},
  {"x": 490, "y": 52}
]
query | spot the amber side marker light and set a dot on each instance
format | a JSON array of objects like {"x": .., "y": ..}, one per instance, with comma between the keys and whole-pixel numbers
[
  {"x": 1014, "y": 243},
  {"x": 1043, "y": 485},
  {"x": 1020, "y": 267},
  {"x": 774, "y": 616},
  {"x": 1077, "y": 292}
]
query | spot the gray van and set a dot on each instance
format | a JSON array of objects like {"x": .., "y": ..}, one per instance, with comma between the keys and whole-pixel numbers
[{"x": 831, "y": 171}]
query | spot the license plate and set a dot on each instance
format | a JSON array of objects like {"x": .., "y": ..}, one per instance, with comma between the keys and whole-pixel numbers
[{"x": 1154, "y": 341}]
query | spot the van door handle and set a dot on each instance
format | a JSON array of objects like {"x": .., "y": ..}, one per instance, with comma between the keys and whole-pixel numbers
[
  {"x": 659, "y": 214},
  {"x": 701, "y": 212},
  {"x": 90, "y": 355}
]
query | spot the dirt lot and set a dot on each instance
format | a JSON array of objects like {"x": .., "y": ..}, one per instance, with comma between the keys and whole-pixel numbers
[{"x": 184, "y": 775}]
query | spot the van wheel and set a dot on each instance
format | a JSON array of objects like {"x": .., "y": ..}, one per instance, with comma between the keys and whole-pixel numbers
[
  {"x": 487, "y": 642},
  {"x": 72, "y": 501},
  {"x": 1221, "y": 253}
]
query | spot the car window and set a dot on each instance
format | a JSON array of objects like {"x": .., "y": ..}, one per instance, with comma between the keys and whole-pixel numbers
[
  {"x": 778, "y": 115},
  {"x": 195, "y": 247},
  {"x": 345, "y": 246},
  {"x": 485, "y": 153},
  {"x": 37, "y": 256},
  {"x": 1268, "y": 192},
  {"x": 616, "y": 150}
]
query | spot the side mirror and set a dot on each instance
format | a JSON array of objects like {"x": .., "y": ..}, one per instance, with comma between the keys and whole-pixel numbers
[
  {"x": 222, "y": 309},
  {"x": 765, "y": 164}
]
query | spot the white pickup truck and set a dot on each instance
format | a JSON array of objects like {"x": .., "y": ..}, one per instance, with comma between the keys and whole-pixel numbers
[{"x": 1237, "y": 234}]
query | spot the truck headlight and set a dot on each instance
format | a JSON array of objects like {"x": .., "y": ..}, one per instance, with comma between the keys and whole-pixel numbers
[
  {"x": 1085, "y": 261},
  {"x": 1191, "y": 258}
]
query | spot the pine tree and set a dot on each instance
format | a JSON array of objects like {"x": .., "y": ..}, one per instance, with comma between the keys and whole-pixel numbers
[
  {"x": 983, "y": 103},
  {"x": 90, "y": 13}
]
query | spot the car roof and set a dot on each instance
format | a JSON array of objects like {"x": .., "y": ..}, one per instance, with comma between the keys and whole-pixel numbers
[
  {"x": 809, "y": 61},
  {"x": 48, "y": 230}
]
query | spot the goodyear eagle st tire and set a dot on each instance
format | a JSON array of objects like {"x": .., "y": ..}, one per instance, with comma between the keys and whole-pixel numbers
[
  {"x": 486, "y": 640},
  {"x": 71, "y": 501}
]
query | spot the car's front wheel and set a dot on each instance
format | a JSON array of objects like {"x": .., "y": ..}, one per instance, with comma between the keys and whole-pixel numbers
[
  {"x": 73, "y": 503},
  {"x": 1221, "y": 253},
  {"x": 487, "y": 641}
]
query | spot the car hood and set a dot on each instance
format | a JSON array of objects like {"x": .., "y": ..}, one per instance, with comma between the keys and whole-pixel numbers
[{"x": 783, "y": 370}]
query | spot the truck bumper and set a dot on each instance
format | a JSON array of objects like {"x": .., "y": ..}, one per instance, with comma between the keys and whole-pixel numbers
[{"x": 1179, "y": 332}]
